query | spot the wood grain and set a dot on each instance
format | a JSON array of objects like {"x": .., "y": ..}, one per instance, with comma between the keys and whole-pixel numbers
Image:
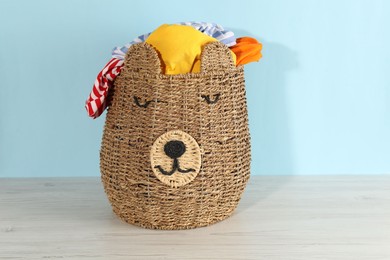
[{"x": 279, "y": 217}]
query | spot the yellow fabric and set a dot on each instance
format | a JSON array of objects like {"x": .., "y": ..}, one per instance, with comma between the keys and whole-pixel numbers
[{"x": 180, "y": 47}]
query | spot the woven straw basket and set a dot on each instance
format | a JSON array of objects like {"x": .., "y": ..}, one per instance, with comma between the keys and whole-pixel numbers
[{"x": 176, "y": 151}]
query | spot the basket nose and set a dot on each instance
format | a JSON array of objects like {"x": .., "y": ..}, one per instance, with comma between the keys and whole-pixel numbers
[
  {"x": 174, "y": 149},
  {"x": 175, "y": 158}
]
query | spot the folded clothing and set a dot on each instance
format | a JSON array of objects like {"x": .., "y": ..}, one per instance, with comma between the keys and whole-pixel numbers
[
  {"x": 96, "y": 102},
  {"x": 248, "y": 50},
  {"x": 180, "y": 47},
  {"x": 211, "y": 29}
]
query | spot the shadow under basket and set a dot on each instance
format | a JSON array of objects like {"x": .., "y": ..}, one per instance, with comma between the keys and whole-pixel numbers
[{"x": 175, "y": 152}]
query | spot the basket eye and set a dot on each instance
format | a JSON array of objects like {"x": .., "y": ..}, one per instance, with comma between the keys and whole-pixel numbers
[
  {"x": 138, "y": 103},
  {"x": 212, "y": 100}
]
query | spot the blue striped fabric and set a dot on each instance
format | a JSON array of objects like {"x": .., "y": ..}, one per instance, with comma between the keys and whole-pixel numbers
[
  {"x": 211, "y": 29},
  {"x": 214, "y": 30}
]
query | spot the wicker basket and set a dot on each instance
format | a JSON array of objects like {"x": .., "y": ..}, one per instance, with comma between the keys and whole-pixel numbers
[{"x": 176, "y": 151}]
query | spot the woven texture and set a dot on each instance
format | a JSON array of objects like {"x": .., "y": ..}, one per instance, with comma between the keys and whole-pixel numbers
[{"x": 208, "y": 113}]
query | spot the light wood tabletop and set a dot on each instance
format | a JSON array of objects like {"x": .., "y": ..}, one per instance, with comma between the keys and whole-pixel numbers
[{"x": 279, "y": 217}]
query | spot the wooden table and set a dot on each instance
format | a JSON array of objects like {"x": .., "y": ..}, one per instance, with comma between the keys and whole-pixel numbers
[{"x": 279, "y": 217}]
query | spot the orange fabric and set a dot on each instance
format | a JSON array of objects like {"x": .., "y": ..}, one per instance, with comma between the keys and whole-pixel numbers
[{"x": 247, "y": 50}]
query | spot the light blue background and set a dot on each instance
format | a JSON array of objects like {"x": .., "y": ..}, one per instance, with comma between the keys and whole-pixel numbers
[{"x": 318, "y": 100}]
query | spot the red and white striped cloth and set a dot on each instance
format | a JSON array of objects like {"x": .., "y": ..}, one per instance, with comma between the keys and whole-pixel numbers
[{"x": 96, "y": 102}]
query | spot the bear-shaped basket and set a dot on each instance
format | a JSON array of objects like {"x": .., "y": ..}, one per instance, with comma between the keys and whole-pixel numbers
[{"x": 175, "y": 152}]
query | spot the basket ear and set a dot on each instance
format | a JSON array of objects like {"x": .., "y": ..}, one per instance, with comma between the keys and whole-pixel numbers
[
  {"x": 142, "y": 58},
  {"x": 216, "y": 56}
]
